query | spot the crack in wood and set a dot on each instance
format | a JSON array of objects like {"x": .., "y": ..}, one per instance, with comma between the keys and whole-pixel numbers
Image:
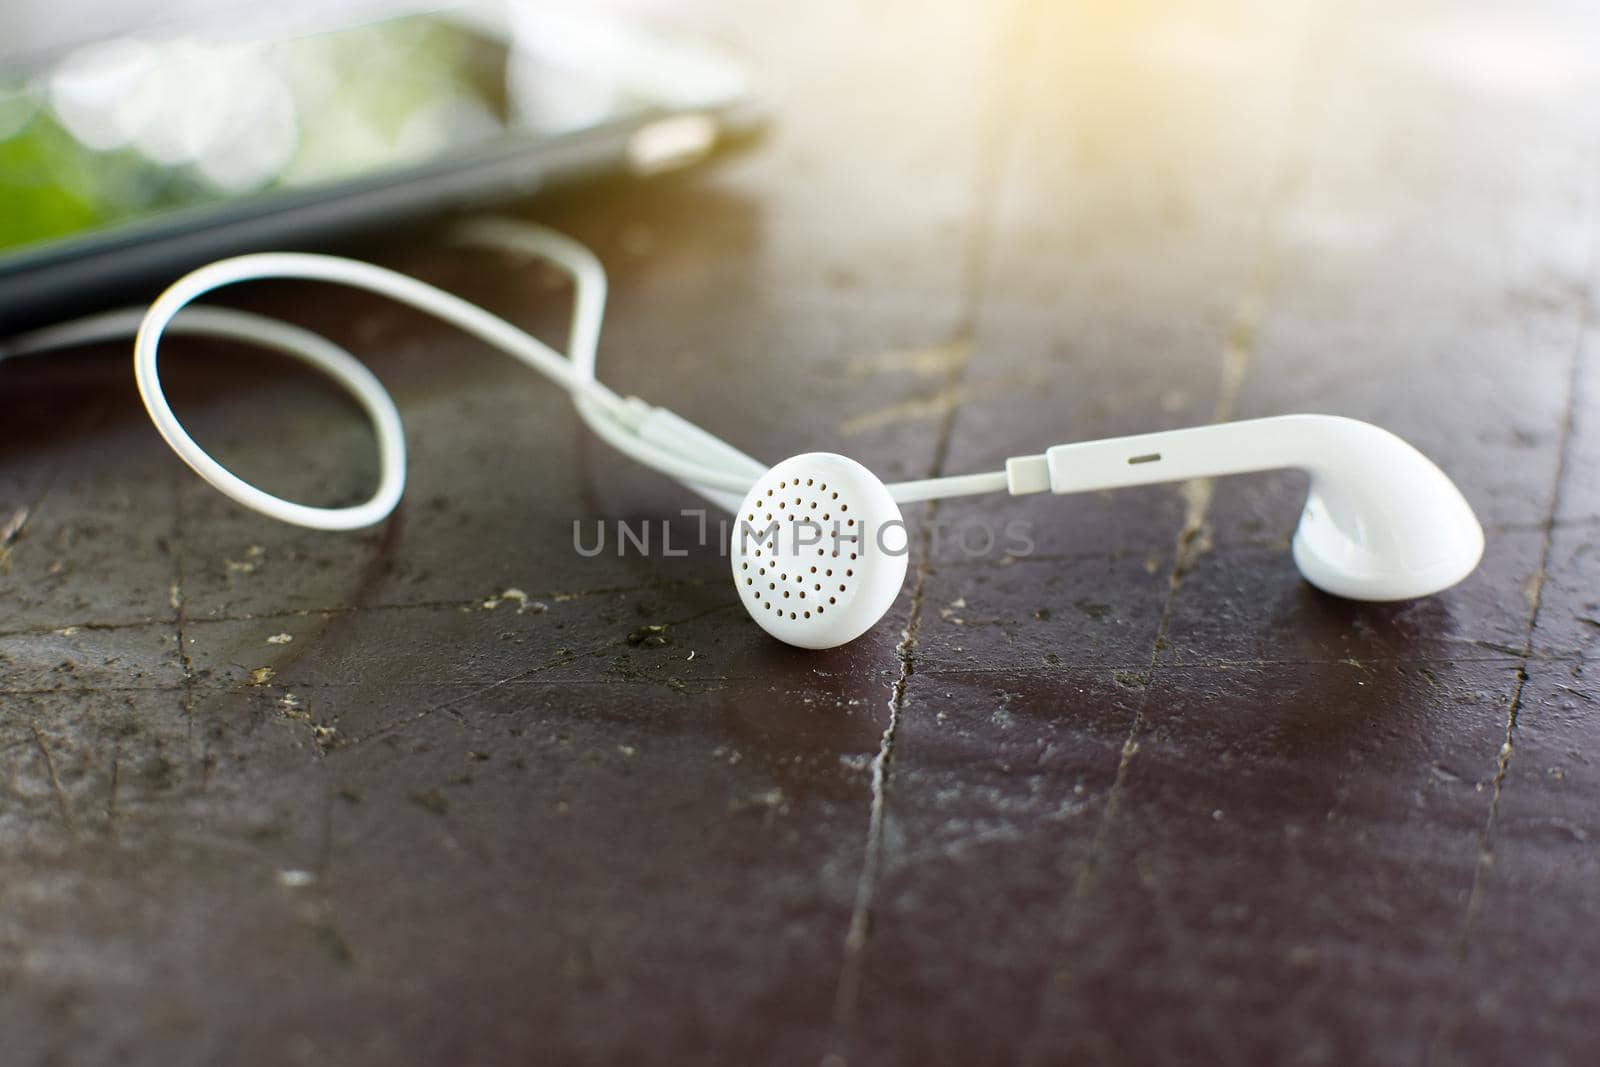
[{"x": 1486, "y": 846}]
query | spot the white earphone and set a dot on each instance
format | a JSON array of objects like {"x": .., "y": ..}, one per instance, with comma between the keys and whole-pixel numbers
[{"x": 819, "y": 548}]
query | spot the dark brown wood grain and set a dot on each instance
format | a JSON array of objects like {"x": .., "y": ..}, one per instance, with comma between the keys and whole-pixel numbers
[{"x": 1139, "y": 795}]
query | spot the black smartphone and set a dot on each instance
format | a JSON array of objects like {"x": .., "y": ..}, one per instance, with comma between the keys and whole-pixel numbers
[{"x": 133, "y": 158}]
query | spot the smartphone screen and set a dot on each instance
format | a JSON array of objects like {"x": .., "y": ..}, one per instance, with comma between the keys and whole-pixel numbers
[{"x": 130, "y": 133}]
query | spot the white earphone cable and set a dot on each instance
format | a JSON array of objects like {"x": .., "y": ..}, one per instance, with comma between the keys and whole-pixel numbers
[{"x": 651, "y": 436}]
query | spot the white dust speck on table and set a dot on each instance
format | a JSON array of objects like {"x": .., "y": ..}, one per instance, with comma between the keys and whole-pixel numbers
[
  {"x": 519, "y": 598},
  {"x": 251, "y": 562}
]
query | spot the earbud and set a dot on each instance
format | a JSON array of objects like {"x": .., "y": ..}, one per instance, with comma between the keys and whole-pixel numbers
[
  {"x": 1381, "y": 521},
  {"x": 819, "y": 550}
]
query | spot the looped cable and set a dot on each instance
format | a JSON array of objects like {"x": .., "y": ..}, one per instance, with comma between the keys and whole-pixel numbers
[
  {"x": 651, "y": 436},
  {"x": 310, "y": 348}
]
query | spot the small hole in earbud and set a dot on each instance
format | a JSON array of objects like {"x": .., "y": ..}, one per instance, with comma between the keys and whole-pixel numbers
[{"x": 830, "y": 600}]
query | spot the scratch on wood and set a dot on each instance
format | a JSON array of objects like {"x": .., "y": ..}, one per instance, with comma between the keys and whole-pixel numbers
[
  {"x": 55, "y": 780},
  {"x": 9, "y": 532}
]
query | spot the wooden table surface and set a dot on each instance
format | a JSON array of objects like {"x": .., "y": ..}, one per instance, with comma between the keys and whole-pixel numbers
[{"x": 1139, "y": 795}]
